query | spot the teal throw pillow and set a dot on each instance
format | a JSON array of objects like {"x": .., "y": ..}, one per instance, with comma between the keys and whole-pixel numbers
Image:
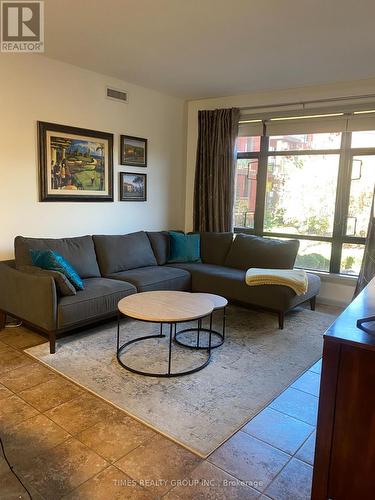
[
  {"x": 46, "y": 259},
  {"x": 184, "y": 247}
]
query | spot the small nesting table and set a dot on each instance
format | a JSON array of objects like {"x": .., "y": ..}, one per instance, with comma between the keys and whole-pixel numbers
[
  {"x": 164, "y": 307},
  {"x": 220, "y": 303}
]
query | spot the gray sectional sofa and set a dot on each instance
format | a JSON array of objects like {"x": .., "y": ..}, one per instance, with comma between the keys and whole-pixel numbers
[{"x": 113, "y": 267}]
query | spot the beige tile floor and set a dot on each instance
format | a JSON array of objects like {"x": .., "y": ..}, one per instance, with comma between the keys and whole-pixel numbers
[{"x": 66, "y": 443}]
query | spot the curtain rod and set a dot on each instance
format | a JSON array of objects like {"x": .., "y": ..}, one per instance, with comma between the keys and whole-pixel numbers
[{"x": 304, "y": 103}]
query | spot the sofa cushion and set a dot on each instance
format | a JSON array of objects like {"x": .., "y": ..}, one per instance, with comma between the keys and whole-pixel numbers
[
  {"x": 98, "y": 299},
  {"x": 191, "y": 266},
  {"x": 122, "y": 252},
  {"x": 215, "y": 247},
  {"x": 80, "y": 252},
  {"x": 253, "y": 251},
  {"x": 230, "y": 283},
  {"x": 160, "y": 245},
  {"x": 155, "y": 278}
]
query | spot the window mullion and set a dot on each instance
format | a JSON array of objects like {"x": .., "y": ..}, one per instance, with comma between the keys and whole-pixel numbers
[
  {"x": 261, "y": 186},
  {"x": 342, "y": 203}
]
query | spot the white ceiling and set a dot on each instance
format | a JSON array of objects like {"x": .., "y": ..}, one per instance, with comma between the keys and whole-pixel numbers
[{"x": 193, "y": 49}]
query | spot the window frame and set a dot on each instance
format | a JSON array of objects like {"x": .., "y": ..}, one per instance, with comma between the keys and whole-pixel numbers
[{"x": 341, "y": 211}]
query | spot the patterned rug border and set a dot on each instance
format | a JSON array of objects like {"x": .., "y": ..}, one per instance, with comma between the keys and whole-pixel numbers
[
  {"x": 147, "y": 424},
  {"x": 178, "y": 439},
  {"x": 114, "y": 404}
]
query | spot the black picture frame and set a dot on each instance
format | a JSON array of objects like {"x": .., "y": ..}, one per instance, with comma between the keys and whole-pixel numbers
[
  {"x": 132, "y": 195},
  {"x": 126, "y": 158},
  {"x": 55, "y": 186}
]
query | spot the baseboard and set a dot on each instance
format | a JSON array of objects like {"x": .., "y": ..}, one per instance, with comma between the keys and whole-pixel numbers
[{"x": 331, "y": 302}]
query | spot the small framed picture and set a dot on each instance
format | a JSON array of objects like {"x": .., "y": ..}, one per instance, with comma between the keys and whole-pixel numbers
[
  {"x": 133, "y": 186},
  {"x": 133, "y": 151}
]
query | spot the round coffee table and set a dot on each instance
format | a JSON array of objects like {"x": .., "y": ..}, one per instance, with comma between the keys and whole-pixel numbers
[
  {"x": 164, "y": 307},
  {"x": 220, "y": 303}
]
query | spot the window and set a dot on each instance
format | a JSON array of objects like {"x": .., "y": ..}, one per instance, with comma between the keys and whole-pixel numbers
[
  {"x": 248, "y": 144},
  {"x": 305, "y": 142},
  {"x": 316, "y": 187},
  {"x": 246, "y": 188},
  {"x": 300, "y": 194}
]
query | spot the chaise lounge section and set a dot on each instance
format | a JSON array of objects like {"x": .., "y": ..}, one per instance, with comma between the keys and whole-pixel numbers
[{"x": 115, "y": 266}]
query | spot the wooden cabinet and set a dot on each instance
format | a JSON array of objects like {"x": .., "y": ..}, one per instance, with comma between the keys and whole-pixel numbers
[{"x": 344, "y": 467}]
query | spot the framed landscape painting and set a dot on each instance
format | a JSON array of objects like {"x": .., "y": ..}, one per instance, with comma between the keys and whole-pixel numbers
[
  {"x": 75, "y": 164},
  {"x": 133, "y": 151},
  {"x": 133, "y": 186}
]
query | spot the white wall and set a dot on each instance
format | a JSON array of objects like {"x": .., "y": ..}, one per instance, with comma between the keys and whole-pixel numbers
[
  {"x": 35, "y": 88},
  {"x": 338, "y": 292}
]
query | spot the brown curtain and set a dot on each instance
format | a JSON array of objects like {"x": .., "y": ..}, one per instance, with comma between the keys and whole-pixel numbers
[
  {"x": 214, "y": 174},
  {"x": 368, "y": 264}
]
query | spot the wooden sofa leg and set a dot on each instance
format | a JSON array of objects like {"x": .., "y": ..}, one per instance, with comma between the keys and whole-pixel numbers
[
  {"x": 281, "y": 320},
  {"x": 3, "y": 317},
  {"x": 52, "y": 342},
  {"x": 313, "y": 303}
]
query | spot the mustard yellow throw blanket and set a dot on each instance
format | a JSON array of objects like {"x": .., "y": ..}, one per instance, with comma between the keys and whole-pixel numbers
[{"x": 296, "y": 279}]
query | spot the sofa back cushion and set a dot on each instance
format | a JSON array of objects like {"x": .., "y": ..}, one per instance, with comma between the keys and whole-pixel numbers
[
  {"x": 253, "y": 251},
  {"x": 123, "y": 252},
  {"x": 215, "y": 247},
  {"x": 80, "y": 252},
  {"x": 160, "y": 245}
]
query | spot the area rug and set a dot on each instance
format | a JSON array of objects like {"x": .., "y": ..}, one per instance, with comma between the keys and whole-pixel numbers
[{"x": 199, "y": 411}]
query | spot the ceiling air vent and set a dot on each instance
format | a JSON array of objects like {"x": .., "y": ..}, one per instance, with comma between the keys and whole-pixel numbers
[{"x": 117, "y": 95}]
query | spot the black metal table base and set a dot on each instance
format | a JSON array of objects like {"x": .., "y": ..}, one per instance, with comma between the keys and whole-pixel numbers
[
  {"x": 172, "y": 333},
  {"x": 199, "y": 330}
]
